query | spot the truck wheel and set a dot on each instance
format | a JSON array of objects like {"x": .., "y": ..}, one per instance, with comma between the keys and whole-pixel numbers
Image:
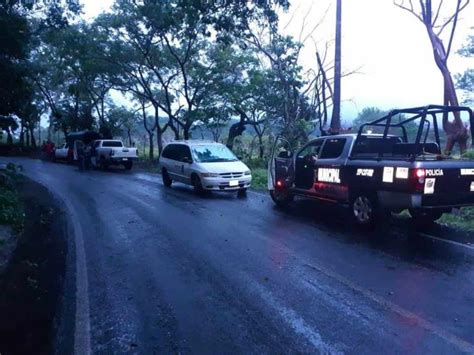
[
  {"x": 282, "y": 198},
  {"x": 166, "y": 178},
  {"x": 364, "y": 210},
  {"x": 103, "y": 164},
  {"x": 196, "y": 182},
  {"x": 129, "y": 165},
  {"x": 425, "y": 217}
]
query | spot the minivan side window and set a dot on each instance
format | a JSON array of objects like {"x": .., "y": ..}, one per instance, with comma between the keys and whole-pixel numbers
[
  {"x": 333, "y": 148},
  {"x": 170, "y": 152},
  {"x": 183, "y": 151}
]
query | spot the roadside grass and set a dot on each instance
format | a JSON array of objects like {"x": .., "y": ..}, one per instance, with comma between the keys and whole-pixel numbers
[
  {"x": 11, "y": 206},
  {"x": 464, "y": 220},
  {"x": 259, "y": 172}
]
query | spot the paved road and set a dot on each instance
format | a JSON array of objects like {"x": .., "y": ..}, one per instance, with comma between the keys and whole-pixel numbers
[{"x": 164, "y": 271}]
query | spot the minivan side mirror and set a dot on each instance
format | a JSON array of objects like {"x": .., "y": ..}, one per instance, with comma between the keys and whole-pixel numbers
[{"x": 187, "y": 160}]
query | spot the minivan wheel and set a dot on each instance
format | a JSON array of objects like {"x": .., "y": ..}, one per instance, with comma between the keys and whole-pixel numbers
[
  {"x": 166, "y": 178},
  {"x": 363, "y": 210},
  {"x": 196, "y": 181},
  {"x": 282, "y": 198},
  {"x": 242, "y": 192}
]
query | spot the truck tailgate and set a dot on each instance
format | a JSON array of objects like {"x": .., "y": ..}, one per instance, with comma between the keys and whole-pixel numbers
[
  {"x": 125, "y": 152},
  {"x": 448, "y": 183}
]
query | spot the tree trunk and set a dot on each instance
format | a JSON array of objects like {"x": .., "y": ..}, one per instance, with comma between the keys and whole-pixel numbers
[
  {"x": 151, "y": 153},
  {"x": 27, "y": 137},
  {"x": 235, "y": 130},
  {"x": 32, "y": 135},
  {"x": 9, "y": 136},
  {"x": 260, "y": 146},
  {"x": 159, "y": 132},
  {"x": 336, "y": 111},
  {"x": 22, "y": 135},
  {"x": 129, "y": 135},
  {"x": 455, "y": 131}
]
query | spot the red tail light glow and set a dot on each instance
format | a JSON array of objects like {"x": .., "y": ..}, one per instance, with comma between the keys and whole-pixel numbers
[
  {"x": 419, "y": 179},
  {"x": 279, "y": 183},
  {"x": 420, "y": 173}
]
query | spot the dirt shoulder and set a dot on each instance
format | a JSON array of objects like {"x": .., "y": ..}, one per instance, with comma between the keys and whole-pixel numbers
[{"x": 31, "y": 285}]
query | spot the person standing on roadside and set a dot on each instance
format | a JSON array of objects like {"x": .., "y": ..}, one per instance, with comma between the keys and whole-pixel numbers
[{"x": 80, "y": 151}]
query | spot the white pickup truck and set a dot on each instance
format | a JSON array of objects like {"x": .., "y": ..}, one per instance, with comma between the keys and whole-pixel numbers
[{"x": 106, "y": 152}]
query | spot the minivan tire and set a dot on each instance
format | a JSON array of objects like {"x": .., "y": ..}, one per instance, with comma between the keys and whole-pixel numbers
[
  {"x": 167, "y": 181},
  {"x": 196, "y": 182}
]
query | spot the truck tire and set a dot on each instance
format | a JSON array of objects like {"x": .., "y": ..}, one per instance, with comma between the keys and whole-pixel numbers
[
  {"x": 364, "y": 209},
  {"x": 425, "y": 217},
  {"x": 167, "y": 181},
  {"x": 128, "y": 165},
  {"x": 282, "y": 198},
  {"x": 103, "y": 163}
]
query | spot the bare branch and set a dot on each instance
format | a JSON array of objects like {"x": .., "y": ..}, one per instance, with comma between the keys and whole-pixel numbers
[
  {"x": 411, "y": 9},
  {"x": 453, "y": 17}
]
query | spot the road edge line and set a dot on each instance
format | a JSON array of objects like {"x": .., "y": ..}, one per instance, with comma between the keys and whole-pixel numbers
[{"x": 82, "y": 318}]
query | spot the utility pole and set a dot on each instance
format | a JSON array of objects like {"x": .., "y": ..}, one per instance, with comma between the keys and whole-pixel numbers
[{"x": 336, "y": 111}]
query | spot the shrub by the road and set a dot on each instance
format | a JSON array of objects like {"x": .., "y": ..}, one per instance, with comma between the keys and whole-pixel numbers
[{"x": 11, "y": 208}]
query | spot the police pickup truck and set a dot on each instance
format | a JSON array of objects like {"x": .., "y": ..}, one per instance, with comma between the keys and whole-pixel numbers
[{"x": 378, "y": 173}]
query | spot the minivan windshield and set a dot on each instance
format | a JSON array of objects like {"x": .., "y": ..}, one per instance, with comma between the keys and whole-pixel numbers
[{"x": 213, "y": 153}]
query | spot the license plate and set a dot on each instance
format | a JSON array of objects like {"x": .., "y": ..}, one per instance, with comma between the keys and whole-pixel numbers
[
  {"x": 234, "y": 183},
  {"x": 125, "y": 159}
]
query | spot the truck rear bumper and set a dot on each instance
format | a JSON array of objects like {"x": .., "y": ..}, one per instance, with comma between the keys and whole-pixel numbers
[
  {"x": 122, "y": 160},
  {"x": 399, "y": 200}
]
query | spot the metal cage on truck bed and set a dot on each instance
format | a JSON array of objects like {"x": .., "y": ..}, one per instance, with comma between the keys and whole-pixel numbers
[{"x": 387, "y": 145}]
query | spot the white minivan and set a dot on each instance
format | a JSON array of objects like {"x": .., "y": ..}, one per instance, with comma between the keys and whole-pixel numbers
[{"x": 207, "y": 166}]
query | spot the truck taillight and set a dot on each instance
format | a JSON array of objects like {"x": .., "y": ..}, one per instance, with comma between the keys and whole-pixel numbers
[{"x": 419, "y": 178}]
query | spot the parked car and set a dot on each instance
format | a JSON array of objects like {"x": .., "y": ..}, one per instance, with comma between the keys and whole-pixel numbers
[
  {"x": 64, "y": 152},
  {"x": 107, "y": 152},
  {"x": 207, "y": 166},
  {"x": 376, "y": 173}
]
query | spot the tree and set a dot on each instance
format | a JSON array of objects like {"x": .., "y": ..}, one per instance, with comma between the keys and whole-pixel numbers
[
  {"x": 435, "y": 25},
  {"x": 465, "y": 81},
  {"x": 9, "y": 125},
  {"x": 14, "y": 36}
]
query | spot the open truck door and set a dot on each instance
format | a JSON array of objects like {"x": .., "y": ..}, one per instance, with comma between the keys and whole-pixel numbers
[{"x": 281, "y": 172}]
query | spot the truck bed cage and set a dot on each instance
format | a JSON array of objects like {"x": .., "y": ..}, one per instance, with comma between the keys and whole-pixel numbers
[{"x": 420, "y": 145}]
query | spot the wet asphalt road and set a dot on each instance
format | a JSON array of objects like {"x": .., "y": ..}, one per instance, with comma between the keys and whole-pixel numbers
[{"x": 166, "y": 271}]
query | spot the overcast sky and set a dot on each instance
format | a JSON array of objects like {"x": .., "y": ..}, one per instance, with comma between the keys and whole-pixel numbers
[{"x": 389, "y": 45}]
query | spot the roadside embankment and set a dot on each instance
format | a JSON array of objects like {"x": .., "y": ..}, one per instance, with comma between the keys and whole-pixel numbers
[{"x": 32, "y": 278}]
